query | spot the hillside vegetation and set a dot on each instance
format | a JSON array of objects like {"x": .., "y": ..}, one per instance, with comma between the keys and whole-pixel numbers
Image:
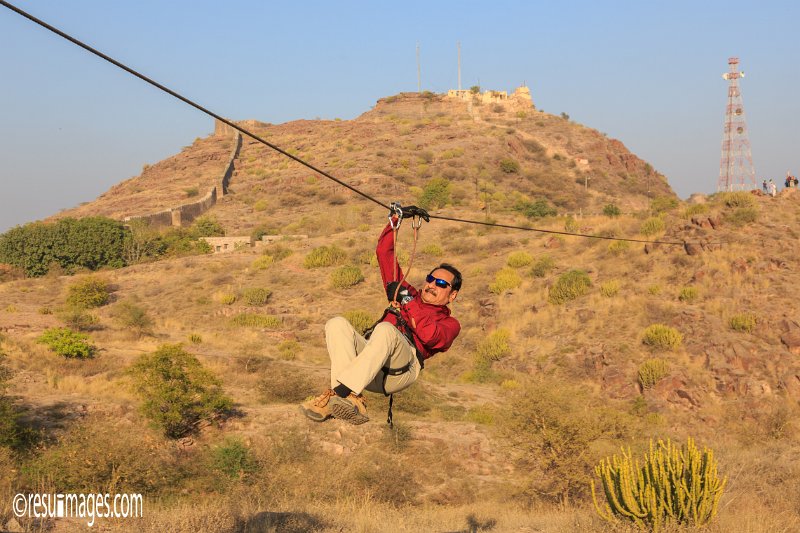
[{"x": 570, "y": 349}]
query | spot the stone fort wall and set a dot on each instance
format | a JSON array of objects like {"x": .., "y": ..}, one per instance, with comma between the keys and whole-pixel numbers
[{"x": 186, "y": 213}]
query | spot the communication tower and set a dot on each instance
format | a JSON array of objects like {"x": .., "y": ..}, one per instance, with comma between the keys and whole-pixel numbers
[{"x": 736, "y": 170}]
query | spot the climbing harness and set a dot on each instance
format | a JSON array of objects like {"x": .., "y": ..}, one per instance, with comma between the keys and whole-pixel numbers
[{"x": 395, "y": 220}]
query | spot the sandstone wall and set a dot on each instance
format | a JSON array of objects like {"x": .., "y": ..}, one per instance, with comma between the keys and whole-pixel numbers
[{"x": 186, "y": 213}]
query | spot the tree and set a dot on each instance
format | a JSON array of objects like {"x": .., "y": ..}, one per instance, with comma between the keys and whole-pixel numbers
[
  {"x": 91, "y": 242},
  {"x": 178, "y": 392}
]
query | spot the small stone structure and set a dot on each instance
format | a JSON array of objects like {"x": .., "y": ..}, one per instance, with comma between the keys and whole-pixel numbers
[
  {"x": 186, "y": 213},
  {"x": 232, "y": 243},
  {"x": 228, "y": 244},
  {"x": 520, "y": 98}
]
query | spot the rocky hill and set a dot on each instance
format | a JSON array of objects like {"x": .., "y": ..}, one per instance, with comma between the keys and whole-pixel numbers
[
  {"x": 502, "y": 431},
  {"x": 495, "y": 154}
]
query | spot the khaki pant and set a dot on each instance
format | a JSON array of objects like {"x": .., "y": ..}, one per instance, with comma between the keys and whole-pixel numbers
[{"x": 357, "y": 362}]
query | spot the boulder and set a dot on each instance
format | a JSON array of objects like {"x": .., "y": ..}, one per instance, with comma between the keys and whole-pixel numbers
[{"x": 791, "y": 339}]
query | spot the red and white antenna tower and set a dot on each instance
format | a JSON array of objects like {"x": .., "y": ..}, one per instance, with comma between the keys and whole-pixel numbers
[{"x": 736, "y": 170}]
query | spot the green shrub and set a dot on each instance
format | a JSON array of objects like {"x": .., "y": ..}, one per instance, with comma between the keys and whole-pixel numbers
[
  {"x": 556, "y": 428},
  {"x": 495, "y": 346},
  {"x": 91, "y": 242},
  {"x": 77, "y": 318},
  {"x": 610, "y": 288},
  {"x": 88, "y": 293},
  {"x": 288, "y": 350},
  {"x": 433, "y": 249},
  {"x": 177, "y": 391},
  {"x": 481, "y": 414},
  {"x": 435, "y": 194},
  {"x": 670, "y": 484},
  {"x": 695, "y": 209},
  {"x": 346, "y": 277},
  {"x": 506, "y": 279},
  {"x": 652, "y": 226},
  {"x": 233, "y": 459},
  {"x": 225, "y": 298},
  {"x": 191, "y": 192},
  {"x": 278, "y": 251},
  {"x": 133, "y": 318},
  {"x": 738, "y": 199},
  {"x": 324, "y": 256},
  {"x": 481, "y": 371},
  {"x": 662, "y": 204},
  {"x": 542, "y": 266},
  {"x": 207, "y": 226},
  {"x": 255, "y": 320},
  {"x": 688, "y": 294},
  {"x": 177, "y": 242},
  {"x": 618, "y": 247},
  {"x": 741, "y": 216},
  {"x": 519, "y": 259},
  {"x": 360, "y": 320},
  {"x": 536, "y": 210},
  {"x": 655, "y": 290},
  {"x": 652, "y": 371},
  {"x": 195, "y": 338},
  {"x": 745, "y": 322},
  {"x": 611, "y": 210},
  {"x": 571, "y": 225},
  {"x": 569, "y": 286},
  {"x": 67, "y": 343},
  {"x": 509, "y": 166},
  {"x": 263, "y": 262},
  {"x": 256, "y": 296},
  {"x": 662, "y": 337}
]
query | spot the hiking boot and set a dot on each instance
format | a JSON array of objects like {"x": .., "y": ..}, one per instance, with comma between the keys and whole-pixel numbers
[
  {"x": 352, "y": 409},
  {"x": 318, "y": 409}
]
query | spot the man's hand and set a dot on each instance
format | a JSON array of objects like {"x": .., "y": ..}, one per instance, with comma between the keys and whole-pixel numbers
[
  {"x": 414, "y": 211},
  {"x": 403, "y": 296}
]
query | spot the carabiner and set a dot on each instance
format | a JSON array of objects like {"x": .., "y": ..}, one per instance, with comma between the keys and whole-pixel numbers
[{"x": 395, "y": 210}]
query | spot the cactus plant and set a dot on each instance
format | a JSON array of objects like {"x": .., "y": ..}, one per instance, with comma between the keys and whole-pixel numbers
[{"x": 672, "y": 484}]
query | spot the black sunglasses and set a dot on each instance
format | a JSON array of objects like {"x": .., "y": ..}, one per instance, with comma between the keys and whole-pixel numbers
[{"x": 439, "y": 282}]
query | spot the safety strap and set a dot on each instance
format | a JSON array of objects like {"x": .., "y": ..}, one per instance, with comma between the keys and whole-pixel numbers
[{"x": 402, "y": 325}]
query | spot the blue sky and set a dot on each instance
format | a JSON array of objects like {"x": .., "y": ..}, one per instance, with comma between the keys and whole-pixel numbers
[{"x": 646, "y": 73}]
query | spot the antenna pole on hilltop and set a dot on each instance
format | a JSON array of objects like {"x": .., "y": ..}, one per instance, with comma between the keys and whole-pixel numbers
[
  {"x": 419, "y": 76},
  {"x": 736, "y": 170},
  {"x": 459, "y": 65}
]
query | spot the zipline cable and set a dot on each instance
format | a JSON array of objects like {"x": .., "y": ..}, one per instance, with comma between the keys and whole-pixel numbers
[
  {"x": 555, "y": 232},
  {"x": 284, "y": 152}
]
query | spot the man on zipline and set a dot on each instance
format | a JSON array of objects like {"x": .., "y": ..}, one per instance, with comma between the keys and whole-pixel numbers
[{"x": 416, "y": 325}]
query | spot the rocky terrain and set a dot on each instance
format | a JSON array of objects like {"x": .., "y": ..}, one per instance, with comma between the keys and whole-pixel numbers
[{"x": 502, "y": 431}]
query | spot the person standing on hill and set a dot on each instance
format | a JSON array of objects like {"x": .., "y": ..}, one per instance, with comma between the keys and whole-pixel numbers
[
  {"x": 416, "y": 325},
  {"x": 773, "y": 189}
]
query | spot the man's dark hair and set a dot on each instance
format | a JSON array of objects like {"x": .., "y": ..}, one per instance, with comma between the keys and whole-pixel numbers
[{"x": 454, "y": 271}]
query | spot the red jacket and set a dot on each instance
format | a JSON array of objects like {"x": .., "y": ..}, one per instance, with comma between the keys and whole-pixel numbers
[{"x": 436, "y": 329}]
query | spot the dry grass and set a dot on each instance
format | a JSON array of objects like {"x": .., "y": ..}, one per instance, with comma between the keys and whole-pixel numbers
[{"x": 592, "y": 343}]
